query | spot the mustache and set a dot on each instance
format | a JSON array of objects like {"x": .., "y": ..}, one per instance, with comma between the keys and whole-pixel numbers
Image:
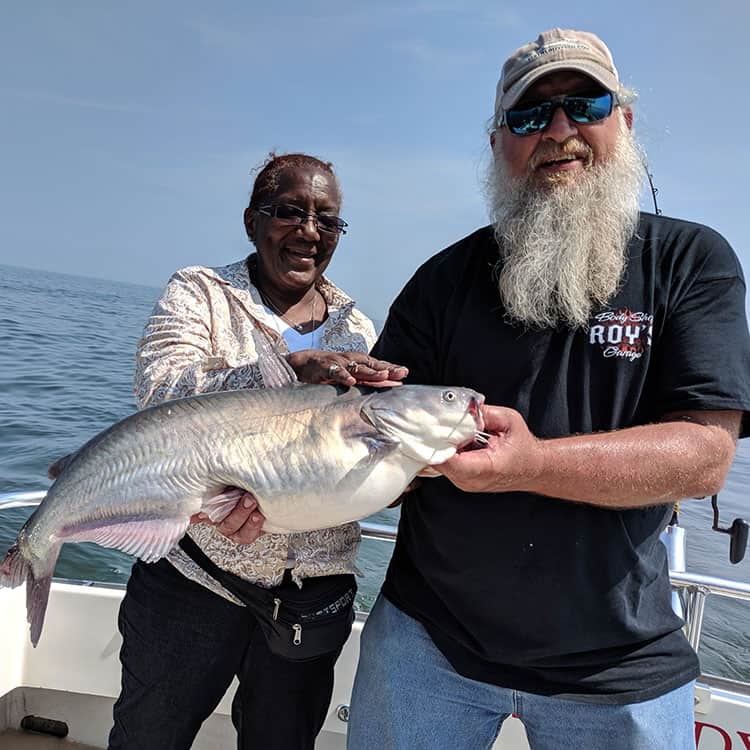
[{"x": 551, "y": 151}]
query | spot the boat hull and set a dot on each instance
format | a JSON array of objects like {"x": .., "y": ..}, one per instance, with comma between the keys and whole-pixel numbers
[{"x": 74, "y": 676}]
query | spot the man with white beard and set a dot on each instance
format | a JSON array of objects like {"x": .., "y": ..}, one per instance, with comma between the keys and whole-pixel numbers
[{"x": 613, "y": 345}]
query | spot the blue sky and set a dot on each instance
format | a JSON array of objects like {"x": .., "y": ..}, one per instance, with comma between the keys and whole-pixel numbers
[{"x": 128, "y": 130}]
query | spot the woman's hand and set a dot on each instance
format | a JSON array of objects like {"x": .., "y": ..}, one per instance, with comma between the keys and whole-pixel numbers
[
  {"x": 243, "y": 524},
  {"x": 344, "y": 368}
]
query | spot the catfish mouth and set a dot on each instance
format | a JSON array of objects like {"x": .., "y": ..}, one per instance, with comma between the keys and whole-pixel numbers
[
  {"x": 479, "y": 437},
  {"x": 476, "y": 411}
]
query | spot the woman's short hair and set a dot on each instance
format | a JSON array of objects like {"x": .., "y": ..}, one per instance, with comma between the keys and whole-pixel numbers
[{"x": 269, "y": 174}]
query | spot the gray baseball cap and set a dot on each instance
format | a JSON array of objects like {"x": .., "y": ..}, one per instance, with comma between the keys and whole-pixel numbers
[{"x": 557, "y": 49}]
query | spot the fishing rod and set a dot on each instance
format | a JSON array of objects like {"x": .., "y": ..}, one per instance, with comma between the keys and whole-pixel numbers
[{"x": 674, "y": 535}]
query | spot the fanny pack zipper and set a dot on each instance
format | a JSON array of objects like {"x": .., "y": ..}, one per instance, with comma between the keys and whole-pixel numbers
[{"x": 296, "y": 627}]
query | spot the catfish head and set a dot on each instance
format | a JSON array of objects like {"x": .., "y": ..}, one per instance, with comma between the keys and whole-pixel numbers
[{"x": 429, "y": 422}]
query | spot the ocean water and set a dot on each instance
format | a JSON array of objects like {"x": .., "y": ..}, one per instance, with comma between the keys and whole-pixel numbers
[{"x": 66, "y": 365}]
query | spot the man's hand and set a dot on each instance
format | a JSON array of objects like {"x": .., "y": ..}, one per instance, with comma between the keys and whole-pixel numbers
[
  {"x": 345, "y": 368},
  {"x": 509, "y": 461},
  {"x": 243, "y": 524}
]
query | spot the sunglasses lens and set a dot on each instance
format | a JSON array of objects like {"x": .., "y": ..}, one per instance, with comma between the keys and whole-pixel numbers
[
  {"x": 580, "y": 109},
  {"x": 586, "y": 109},
  {"x": 530, "y": 120},
  {"x": 290, "y": 214},
  {"x": 330, "y": 223}
]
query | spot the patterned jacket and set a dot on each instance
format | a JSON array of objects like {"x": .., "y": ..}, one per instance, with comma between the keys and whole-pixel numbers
[{"x": 198, "y": 340}]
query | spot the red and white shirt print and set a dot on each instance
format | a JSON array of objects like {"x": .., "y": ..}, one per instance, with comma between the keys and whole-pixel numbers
[{"x": 624, "y": 334}]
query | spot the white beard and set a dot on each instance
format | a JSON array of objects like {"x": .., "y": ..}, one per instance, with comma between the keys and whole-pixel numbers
[{"x": 563, "y": 244}]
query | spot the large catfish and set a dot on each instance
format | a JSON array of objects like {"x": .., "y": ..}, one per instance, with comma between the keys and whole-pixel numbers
[{"x": 314, "y": 456}]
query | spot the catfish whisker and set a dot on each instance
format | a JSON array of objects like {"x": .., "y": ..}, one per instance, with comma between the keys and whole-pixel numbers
[{"x": 483, "y": 438}]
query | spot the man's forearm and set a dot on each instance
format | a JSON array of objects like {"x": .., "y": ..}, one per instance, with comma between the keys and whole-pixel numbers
[
  {"x": 684, "y": 455},
  {"x": 646, "y": 465}
]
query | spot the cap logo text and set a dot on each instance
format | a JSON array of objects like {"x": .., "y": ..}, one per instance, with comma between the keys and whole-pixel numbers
[{"x": 554, "y": 47}]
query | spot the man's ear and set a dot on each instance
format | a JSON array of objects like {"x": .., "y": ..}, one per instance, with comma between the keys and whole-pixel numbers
[
  {"x": 628, "y": 115},
  {"x": 249, "y": 219}
]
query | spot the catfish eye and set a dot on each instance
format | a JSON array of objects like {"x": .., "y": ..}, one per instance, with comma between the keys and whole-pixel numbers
[{"x": 449, "y": 396}]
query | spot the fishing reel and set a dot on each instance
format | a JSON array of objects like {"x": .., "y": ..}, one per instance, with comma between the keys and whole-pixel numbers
[{"x": 738, "y": 533}]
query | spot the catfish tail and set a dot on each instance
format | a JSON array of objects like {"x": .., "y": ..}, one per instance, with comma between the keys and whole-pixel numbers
[{"x": 15, "y": 569}]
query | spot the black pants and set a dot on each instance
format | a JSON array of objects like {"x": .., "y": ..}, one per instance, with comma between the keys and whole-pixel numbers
[{"x": 182, "y": 645}]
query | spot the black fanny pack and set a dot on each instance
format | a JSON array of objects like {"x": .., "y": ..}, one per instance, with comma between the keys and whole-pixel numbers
[{"x": 298, "y": 624}]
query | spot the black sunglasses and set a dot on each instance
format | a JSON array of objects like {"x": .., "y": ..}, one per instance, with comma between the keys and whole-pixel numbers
[
  {"x": 582, "y": 110},
  {"x": 289, "y": 215}
]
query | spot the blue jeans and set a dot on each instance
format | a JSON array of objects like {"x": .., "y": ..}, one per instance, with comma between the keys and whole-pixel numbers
[{"x": 407, "y": 697}]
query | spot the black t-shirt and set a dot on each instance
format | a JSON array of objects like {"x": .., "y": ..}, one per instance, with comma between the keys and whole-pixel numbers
[{"x": 530, "y": 592}]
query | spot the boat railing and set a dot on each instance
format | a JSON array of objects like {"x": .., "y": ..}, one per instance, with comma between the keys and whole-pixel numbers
[{"x": 693, "y": 588}]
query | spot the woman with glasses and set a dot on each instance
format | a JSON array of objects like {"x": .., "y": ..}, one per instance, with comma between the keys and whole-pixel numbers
[{"x": 185, "y": 635}]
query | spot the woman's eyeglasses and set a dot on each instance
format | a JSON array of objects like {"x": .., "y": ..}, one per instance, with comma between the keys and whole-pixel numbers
[
  {"x": 290, "y": 216},
  {"x": 580, "y": 109}
]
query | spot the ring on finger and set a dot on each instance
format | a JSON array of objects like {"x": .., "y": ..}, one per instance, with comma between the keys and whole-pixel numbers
[
  {"x": 352, "y": 367},
  {"x": 332, "y": 370}
]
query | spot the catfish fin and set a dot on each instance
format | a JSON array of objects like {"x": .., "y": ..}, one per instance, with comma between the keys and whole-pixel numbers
[
  {"x": 378, "y": 448},
  {"x": 58, "y": 467},
  {"x": 37, "y": 598},
  {"x": 14, "y": 568},
  {"x": 149, "y": 539},
  {"x": 359, "y": 427},
  {"x": 218, "y": 507},
  {"x": 428, "y": 471},
  {"x": 274, "y": 369}
]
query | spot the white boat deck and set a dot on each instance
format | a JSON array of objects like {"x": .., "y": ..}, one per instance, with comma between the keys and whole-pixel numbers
[{"x": 14, "y": 740}]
